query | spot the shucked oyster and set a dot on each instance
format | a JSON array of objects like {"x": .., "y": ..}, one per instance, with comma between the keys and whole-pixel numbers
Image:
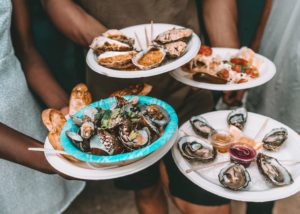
[
  {"x": 274, "y": 139},
  {"x": 119, "y": 36},
  {"x": 273, "y": 171},
  {"x": 173, "y": 35},
  {"x": 117, "y": 59},
  {"x": 102, "y": 44},
  {"x": 238, "y": 118},
  {"x": 234, "y": 177},
  {"x": 201, "y": 126},
  {"x": 194, "y": 148},
  {"x": 150, "y": 58},
  {"x": 175, "y": 49}
]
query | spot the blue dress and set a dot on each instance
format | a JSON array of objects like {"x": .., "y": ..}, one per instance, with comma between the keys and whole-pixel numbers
[{"x": 24, "y": 190}]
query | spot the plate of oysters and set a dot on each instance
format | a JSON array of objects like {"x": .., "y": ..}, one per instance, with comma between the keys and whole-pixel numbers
[
  {"x": 112, "y": 137},
  {"x": 142, "y": 50},
  {"x": 225, "y": 69},
  {"x": 239, "y": 155}
]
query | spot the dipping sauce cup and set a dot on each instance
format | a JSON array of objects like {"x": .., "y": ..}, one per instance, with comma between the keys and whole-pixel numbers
[
  {"x": 221, "y": 140},
  {"x": 242, "y": 153}
]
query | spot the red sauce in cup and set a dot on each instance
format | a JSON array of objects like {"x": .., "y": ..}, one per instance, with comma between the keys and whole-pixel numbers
[{"x": 242, "y": 154}]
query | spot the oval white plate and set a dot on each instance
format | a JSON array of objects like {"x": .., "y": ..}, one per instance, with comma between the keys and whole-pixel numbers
[
  {"x": 192, "y": 50},
  {"x": 259, "y": 190},
  {"x": 87, "y": 172},
  {"x": 267, "y": 71}
]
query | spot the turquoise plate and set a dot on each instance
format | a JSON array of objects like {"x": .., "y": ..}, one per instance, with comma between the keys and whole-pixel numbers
[{"x": 169, "y": 131}]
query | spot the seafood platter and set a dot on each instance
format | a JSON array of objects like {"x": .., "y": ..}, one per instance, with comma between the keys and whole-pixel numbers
[
  {"x": 142, "y": 50},
  {"x": 225, "y": 69},
  {"x": 110, "y": 138},
  {"x": 239, "y": 155}
]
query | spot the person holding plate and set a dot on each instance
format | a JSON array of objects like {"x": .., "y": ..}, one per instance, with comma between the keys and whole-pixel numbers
[
  {"x": 85, "y": 20},
  {"x": 26, "y": 186}
]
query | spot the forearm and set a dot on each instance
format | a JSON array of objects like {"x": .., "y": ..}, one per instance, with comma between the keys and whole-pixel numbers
[
  {"x": 41, "y": 81},
  {"x": 220, "y": 19},
  {"x": 14, "y": 147},
  {"x": 73, "y": 21},
  {"x": 35, "y": 69}
]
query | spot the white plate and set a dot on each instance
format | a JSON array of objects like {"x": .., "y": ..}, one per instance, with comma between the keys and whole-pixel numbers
[
  {"x": 87, "y": 172},
  {"x": 259, "y": 190},
  {"x": 267, "y": 71},
  {"x": 192, "y": 50}
]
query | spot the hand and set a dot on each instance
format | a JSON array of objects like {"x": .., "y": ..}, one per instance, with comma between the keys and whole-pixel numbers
[
  {"x": 233, "y": 98},
  {"x": 65, "y": 110}
]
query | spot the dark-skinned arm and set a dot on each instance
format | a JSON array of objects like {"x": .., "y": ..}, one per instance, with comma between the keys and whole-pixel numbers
[
  {"x": 37, "y": 73},
  {"x": 73, "y": 21},
  {"x": 14, "y": 147}
]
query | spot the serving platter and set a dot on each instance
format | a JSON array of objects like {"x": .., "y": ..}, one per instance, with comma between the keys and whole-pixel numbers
[
  {"x": 259, "y": 190},
  {"x": 267, "y": 71},
  {"x": 87, "y": 171},
  {"x": 192, "y": 49}
]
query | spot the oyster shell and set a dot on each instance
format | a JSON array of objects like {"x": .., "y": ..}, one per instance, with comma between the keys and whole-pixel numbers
[
  {"x": 201, "y": 126},
  {"x": 150, "y": 58},
  {"x": 175, "y": 49},
  {"x": 119, "y": 36},
  {"x": 194, "y": 148},
  {"x": 273, "y": 171},
  {"x": 117, "y": 59},
  {"x": 237, "y": 118},
  {"x": 275, "y": 138},
  {"x": 104, "y": 143},
  {"x": 234, "y": 177},
  {"x": 156, "y": 114},
  {"x": 78, "y": 141},
  {"x": 173, "y": 35},
  {"x": 102, "y": 44}
]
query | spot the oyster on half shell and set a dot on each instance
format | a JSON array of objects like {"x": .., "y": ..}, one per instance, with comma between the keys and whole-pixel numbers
[
  {"x": 149, "y": 58},
  {"x": 117, "y": 59}
]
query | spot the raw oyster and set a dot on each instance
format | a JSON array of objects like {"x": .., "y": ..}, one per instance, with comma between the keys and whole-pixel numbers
[
  {"x": 194, "y": 148},
  {"x": 102, "y": 44},
  {"x": 105, "y": 143},
  {"x": 273, "y": 171},
  {"x": 237, "y": 118},
  {"x": 201, "y": 126},
  {"x": 173, "y": 35},
  {"x": 117, "y": 59},
  {"x": 175, "y": 49},
  {"x": 274, "y": 139},
  {"x": 208, "y": 78},
  {"x": 234, "y": 177},
  {"x": 156, "y": 114},
  {"x": 119, "y": 36},
  {"x": 150, "y": 58}
]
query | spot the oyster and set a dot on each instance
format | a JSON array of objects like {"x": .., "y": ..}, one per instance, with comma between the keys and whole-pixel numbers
[
  {"x": 201, "y": 126},
  {"x": 208, "y": 78},
  {"x": 119, "y": 36},
  {"x": 175, "y": 49},
  {"x": 274, "y": 139},
  {"x": 237, "y": 118},
  {"x": 234, "y": 177},
  {"x": 117, "y": 59},
  {"x": 173, "y": 35},
  {"x": 105, "y": 143},
  {"x": 273, "y": 171},
  {"x": 87, "y": 130},
  {"x": 150, "y": 58},
  {"x": 102, "y": 44},
  {"x": 194, "y": 148}
]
